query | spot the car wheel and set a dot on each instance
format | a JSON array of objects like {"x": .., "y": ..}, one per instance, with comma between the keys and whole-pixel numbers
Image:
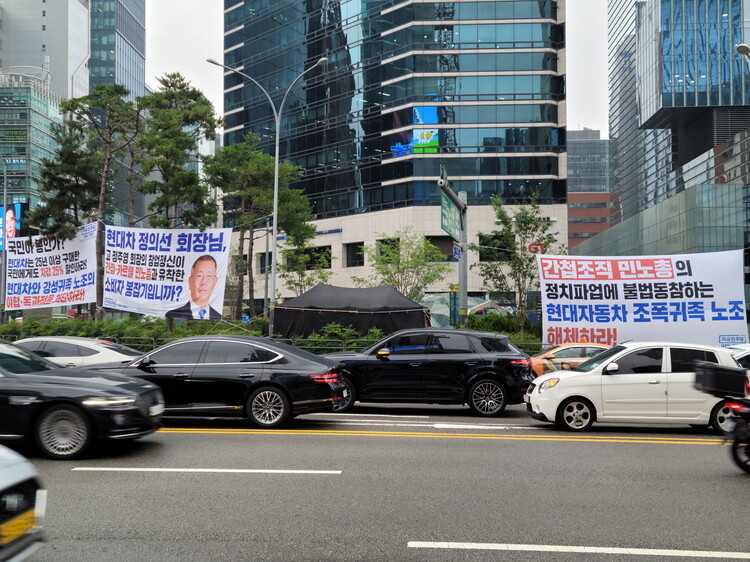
[
  {"x": 740, "y": 452},
  {"x": 268, "y": 407},
  {"x": 350, "y": 396},
  {"x": 63, "y": 432},
  {"x": 721, "y": 418},
  {"x": 487, "y": 398},
  {"x": 575, "y": 414}
]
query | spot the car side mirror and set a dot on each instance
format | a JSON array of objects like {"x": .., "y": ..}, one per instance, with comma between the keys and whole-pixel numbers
[
  {"x": 145, "y": 362},
  {"x": 611, "y": 369},
  {"x": 383, "y": 353},
  {"x": 550, "y": 356}
]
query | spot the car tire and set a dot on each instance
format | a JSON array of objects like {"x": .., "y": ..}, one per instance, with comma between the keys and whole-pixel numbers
[
  {"x": 488, "y": 398},
  {"x": 63, "y": 432},
  {"x": 720, "y": 417},
  {"x": 575, "y": 414},
  {"x": 268, "y": 408},
  {"x": 347, "y": 402}
]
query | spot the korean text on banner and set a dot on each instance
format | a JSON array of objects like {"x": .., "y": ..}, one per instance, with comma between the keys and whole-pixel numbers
[
  {"x": 691, "y": 298},
  {"x": 45, "y": 272},
  {"x": 166, "y": 272}
]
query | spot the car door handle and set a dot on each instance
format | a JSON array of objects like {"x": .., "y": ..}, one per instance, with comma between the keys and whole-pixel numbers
[
  {"x": 246, "y": 375},
  {"x": 181, "y": 376},
  {"x": 470, "y": 363},
  {"x": 415, "y": 364},
  {"x": 654, "y": 382}
]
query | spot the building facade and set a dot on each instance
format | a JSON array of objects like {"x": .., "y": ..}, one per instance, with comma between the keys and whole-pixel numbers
[
  {"x": 679, "y": 117},
  {"x": 591, "y": 207},
  {"x": 475, "y": 87}
]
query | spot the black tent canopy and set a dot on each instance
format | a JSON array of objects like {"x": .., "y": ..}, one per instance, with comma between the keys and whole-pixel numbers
[{"x": 361, "y": 309}]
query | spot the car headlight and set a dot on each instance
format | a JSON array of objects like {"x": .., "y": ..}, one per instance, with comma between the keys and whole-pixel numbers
[
  {"x": 546, "y": 385},
  {"x": 109, "y": 401}
]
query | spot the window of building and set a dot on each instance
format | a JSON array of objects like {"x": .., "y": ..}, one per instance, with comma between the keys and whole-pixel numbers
[
  {"x": 44, "y": 28},
  {"x": 44, "y": 47},
  {"x": 355, "y": 255},
  {"x": 444, "y": 244}
]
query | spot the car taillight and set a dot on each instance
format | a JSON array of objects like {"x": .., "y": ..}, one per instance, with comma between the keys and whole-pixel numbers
[
  {"x": 521, "y": 362},
  {"x": 737, "y": 408},
  {"x": 326, "y": 377}
]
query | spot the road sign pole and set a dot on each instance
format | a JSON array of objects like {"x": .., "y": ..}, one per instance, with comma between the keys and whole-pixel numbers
[{"x": 454, "y": 207}]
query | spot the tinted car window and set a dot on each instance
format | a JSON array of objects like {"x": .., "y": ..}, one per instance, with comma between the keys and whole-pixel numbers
[
  {"x": 19, "y": 361},
  {"x": 641, "y": 361},
  {"x": 264, "y": 354},
  {"x": 85, "y": 351},
  {"x": 403, "y": 345},
  {"x": 683, "y": 360},
  {"x": 494, "y": 344},
  {"x": 31, "y": 345},
  {"x": 569, "y": 353},
  {"x": 230, "y": 352},
  {"x": 178, "y": 354},
  {"x": 451, "y": 343},
  {"x": 591, "y": 351},
  {"x": 744, "y": 361},
  {"x": 59, "y": 349}
]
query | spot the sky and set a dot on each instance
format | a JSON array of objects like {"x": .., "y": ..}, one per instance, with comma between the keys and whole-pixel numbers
[{"x": 182, "y": 34}]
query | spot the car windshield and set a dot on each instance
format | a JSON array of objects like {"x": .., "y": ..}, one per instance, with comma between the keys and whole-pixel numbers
[
  {"x": 18, "y": 361},
  {"x": 122, "y": 349},
  {"x": 598, "y": 359}
]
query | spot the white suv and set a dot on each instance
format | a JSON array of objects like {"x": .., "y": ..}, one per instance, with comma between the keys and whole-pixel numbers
[
  {"x": 22, "y": 504},
  {"x": 635, "y": 382}
]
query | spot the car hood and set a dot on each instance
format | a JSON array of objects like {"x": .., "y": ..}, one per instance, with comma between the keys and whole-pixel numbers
[
  {"x": 561, "y": 374},
  {"x": 8, "y": 457},
  {"x": 88, "y": 379}
]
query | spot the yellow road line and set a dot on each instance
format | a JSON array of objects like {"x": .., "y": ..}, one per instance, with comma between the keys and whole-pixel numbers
[{"x": 334, "y": 433}]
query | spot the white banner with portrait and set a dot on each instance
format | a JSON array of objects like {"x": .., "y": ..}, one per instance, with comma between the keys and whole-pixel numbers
[
  {"x": 691, "y": 298},
  {"x": 166, "y": 272},
  {"x": 44, "y": 272}
]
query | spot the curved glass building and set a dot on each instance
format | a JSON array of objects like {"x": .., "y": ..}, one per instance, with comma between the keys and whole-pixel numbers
[{"x": 477, "y": 87}]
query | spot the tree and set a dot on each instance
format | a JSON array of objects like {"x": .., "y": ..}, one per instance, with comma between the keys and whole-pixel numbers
[
  {"x": 179, "y": 117},
  {"x": 406, "y": 260},
  {"x": 246, "y": 178},
  {"x": 70, "y": 184},
  {"x": 305, "y": 267},
  {"x": 506, "y": 265},
  {"x": 114, "y": 123}
]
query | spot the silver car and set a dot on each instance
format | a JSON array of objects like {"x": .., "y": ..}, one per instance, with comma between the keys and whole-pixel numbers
[{"x": 22, "y": 505}]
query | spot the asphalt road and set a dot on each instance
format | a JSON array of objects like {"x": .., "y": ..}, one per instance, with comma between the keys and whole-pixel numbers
[{"x": 403, "y": 483}]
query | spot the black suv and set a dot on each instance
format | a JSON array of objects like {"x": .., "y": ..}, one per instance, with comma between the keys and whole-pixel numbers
[{"x": 434, "y": 366}]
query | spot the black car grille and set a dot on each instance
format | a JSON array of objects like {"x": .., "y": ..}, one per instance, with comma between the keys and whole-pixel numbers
[
  {"x": 144, "y": 401},
  {"x": 17, "y": 499}
]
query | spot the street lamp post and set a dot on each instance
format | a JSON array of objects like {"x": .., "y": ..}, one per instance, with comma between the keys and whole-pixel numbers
[
  {"x": 5, "y": 239},
  {"x": 277, "y": 120}
]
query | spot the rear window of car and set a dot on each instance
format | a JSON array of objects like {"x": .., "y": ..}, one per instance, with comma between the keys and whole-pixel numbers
[
  {"x": 119, "y": 348},
  {"x": 683, "y": 360},
  {"x": 495, "y": 344}
]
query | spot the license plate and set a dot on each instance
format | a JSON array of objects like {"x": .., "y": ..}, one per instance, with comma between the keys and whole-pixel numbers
[
  {"x": 156, "y": 410},
  {"x": 16, "y": 527}
]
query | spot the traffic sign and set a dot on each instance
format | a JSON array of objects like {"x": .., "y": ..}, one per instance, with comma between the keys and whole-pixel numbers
[{"x": 450, "y": 217}]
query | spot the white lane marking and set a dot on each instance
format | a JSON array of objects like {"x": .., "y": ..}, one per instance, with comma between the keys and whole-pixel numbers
[
  {"x": 582, "y": 549},
  {"x": 212, "y": 470},
  {"x": 368, "y": 415},
  {"x": 374, "y": 423}
]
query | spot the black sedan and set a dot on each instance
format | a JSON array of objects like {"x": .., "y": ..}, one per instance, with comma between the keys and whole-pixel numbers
[
  {"x": 240, "y": 376},
  {"x": 64, "y": 409},
  {"x": 434, "y": 366}
]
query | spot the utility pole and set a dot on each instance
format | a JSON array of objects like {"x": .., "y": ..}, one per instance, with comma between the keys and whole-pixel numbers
[{"x": 453, "y": 221}]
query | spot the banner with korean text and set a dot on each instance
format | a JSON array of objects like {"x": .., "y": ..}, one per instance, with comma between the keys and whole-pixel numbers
[
  {"x": 43, "y": 272},
  {"x": 172, "y": 273},
  {"x": 691, "y": 298}
]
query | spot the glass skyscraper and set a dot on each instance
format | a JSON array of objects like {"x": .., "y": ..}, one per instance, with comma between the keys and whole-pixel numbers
[
  {"x": 475, "y": 87},
  {"x": 679, "y": 116}
]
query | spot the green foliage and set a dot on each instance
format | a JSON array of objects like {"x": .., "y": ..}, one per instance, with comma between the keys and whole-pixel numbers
[
  {"x": 406, "y": 260},
  {"x": 180, "y": 116},
  {"x": 304, "y": 267},
  {"x": 335, "y": 337},
  {"x": 515, "y": 270},
  {"x": 500, "y": 323}
]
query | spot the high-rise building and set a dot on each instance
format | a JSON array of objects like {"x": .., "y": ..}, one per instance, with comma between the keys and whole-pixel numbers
[
  {"x": 591, "y": 206},
  {"x": 118, "y": 44},
  {"x": 679, "y": 117},
  {"x": 53, "y": 36},
  {"x": 475, "y": 87}
]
